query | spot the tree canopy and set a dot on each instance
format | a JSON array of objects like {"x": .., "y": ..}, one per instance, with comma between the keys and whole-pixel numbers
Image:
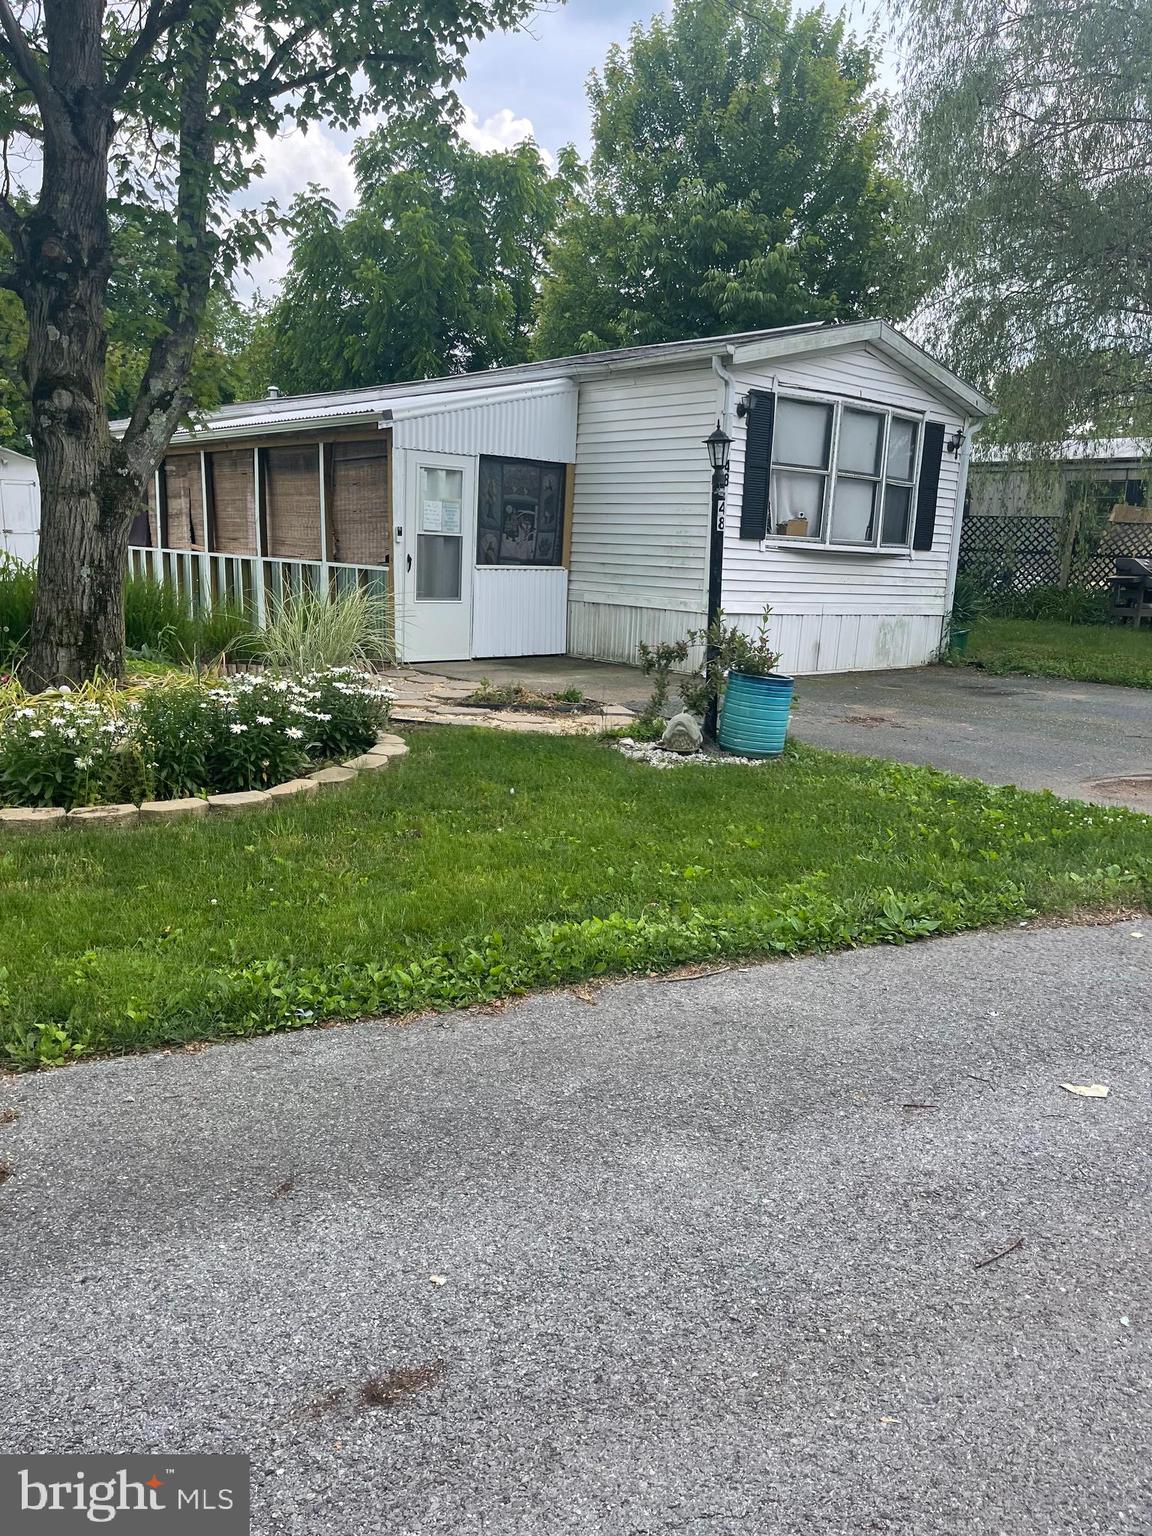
[
  {"x": 154, "y": 110},
  {"x": 434, "y": 271},
  {"x": 1031, "y": 142},
  {"x": 739, "y": 178}
]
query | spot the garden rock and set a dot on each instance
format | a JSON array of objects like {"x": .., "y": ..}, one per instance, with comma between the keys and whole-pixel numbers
[
  {"x": 170, "y": 810},
  {"x": 682, "y": 734},
  {"x": 233, "y": 803},
  {"x": 104, "y": 816}
]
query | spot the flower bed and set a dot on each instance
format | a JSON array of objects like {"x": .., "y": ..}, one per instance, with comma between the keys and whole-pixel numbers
[{"x": 183, "y": 738}]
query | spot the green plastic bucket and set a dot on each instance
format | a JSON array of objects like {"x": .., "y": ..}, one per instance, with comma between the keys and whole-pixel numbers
[
  {"x": 958, "y": 641},
  {"x": 754, "y": 719}
]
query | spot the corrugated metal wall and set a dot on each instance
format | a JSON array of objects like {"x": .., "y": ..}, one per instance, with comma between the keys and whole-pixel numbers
[
  {"x": 519, "y": 611},
  {"x": 536, "y": 423}
]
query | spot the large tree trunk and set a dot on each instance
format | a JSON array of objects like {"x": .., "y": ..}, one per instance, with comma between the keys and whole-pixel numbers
[
  {"x": 88, "y": 495},
  {"x": 87, "y": 492}
]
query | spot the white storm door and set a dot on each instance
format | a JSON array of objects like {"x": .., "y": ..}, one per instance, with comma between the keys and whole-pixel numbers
[{"x": 439, "y": 557}]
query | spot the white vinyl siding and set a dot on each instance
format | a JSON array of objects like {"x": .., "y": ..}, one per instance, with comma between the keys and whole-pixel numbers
[
  {"x": 798, "y": 577},
  {"x": 641, "y": 499}
]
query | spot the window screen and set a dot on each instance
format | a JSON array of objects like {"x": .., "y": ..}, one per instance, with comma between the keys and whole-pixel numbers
[
  {"x": 358, "y": 503},
  {"x": 291, "y": 485},
  {"x": 183, "y": 492},
  {"x": 520, "y": 516},
  {"x": 232, "y": 487}
]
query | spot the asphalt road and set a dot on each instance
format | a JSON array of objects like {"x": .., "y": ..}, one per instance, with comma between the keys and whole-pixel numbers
[
  {"x": 705, "y": 1268},
  {"x": 1040, "y": 733}
]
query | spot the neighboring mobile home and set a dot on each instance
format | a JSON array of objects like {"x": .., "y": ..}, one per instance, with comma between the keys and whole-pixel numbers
[
  {"x": 19, "y": 506},
  {"x": 565, "y": 505}
]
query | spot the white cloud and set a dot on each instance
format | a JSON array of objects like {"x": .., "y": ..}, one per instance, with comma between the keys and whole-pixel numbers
[{"x": 499, "y": 130}]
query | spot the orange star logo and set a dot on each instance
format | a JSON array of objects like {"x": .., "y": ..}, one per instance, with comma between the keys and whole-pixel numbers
[{"x": 154, "y": 1482}]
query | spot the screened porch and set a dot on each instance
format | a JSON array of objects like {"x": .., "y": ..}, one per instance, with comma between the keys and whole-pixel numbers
[{"x": 252, "y": 524}]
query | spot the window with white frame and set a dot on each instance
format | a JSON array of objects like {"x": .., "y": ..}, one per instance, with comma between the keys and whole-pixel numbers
[{"x": 844, "y": 473}]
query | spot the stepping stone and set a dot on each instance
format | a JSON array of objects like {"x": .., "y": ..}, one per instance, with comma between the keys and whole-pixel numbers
[
  {"x": 104, "y": 816},
  {"x": 169, "y": 810},
  {"x": 238, "y": 800}
]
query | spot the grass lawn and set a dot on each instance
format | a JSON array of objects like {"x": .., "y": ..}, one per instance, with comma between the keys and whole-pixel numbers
[
  {"x": 1089, "y": 653},
  {"x": 485, "y": 863}
]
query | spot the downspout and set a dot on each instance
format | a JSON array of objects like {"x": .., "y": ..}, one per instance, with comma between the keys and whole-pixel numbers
[
  {"x": 729, "y": 383},
  {"x": 958, "y": 516}
]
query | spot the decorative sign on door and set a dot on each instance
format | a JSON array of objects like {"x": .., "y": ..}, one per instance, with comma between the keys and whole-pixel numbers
[{"x": 439, "y": 516}]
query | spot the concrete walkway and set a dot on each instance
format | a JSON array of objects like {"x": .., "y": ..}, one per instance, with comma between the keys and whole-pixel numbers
[{"x": 818, "y": 1248}]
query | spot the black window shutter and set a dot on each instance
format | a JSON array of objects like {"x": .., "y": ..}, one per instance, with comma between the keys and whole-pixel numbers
[
  {"x": 925, "y": 529},
  {"x": 757, "y": 465}
]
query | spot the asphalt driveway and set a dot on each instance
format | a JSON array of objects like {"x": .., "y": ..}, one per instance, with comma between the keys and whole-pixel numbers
[
  {"x": 1040, "y": 733},
  {"x": 694, "y": 1256}
]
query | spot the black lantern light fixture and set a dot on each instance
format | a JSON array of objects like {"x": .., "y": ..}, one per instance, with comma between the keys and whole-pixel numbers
[
  {"x": 956, "y": 441},
  {"x": 719, "y": 446}
]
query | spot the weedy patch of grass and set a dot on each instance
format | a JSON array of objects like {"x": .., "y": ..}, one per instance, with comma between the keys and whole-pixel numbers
[
  {"x": 1086, "y": 653},
  {"x": 485, "y": 863}
]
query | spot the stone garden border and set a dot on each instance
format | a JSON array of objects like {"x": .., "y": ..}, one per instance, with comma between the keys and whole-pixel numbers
[{"x": 37, "y": 818}]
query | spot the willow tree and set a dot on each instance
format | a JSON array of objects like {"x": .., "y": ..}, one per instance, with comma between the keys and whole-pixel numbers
[
  {"x": 160, "y": 105},
  {"x": 1030, "y": 129}
]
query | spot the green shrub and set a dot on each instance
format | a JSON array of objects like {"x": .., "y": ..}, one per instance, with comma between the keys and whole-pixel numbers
[
  {"x": 1062, "y": 605},
  {"x": 190, "y": 738},
  {"x": 311, "y": 630},
  {"x": 17, "y": 599},
  {"x": 54, "y": 751}
]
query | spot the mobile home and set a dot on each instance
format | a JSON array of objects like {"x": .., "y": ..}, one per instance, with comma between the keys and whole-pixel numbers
[{"x": 565, "y": 506}]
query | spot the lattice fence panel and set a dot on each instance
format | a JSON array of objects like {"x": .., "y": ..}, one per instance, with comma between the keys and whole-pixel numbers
[{"x": 1017, "y": 553}]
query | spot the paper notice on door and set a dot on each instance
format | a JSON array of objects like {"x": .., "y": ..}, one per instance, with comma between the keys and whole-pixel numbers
[
  {"x": 450, "y": 517},
  {"x": 431, "y": 516}
]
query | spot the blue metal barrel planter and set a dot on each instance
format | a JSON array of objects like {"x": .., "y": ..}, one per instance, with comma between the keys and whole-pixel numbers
[{"x": 754, "y": 719}]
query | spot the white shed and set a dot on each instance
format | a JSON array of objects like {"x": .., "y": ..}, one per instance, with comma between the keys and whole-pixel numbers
[
  {"x": 566, "y": 505},
  {"x": 19, "y": 506}
]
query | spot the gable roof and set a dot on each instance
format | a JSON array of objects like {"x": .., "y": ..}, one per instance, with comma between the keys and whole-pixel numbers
[{"x": 253, "y": 417}]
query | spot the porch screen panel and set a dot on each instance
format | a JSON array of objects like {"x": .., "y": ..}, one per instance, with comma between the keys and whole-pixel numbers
[
  {"x": 142, "y": 534},
  {"x": 233, "y": 490},
  {"x": 183, "y": 492},
  {"x": 358, "y": 507},
  {"x": 292, "y": 503}
]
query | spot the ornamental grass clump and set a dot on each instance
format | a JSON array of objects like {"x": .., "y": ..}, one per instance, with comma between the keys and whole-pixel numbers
[{"x": 164, "y": 741}]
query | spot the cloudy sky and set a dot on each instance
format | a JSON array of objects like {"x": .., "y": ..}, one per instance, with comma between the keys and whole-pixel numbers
[{"x": 524, "y": 84}]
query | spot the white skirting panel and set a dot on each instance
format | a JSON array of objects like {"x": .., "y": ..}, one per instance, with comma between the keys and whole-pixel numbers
[
  {"x": 519, "y": 610},
  {"x": 850, "y": 642},
  {"x": 809, "y": 642},
  {"x": 613, "y": 632}
]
